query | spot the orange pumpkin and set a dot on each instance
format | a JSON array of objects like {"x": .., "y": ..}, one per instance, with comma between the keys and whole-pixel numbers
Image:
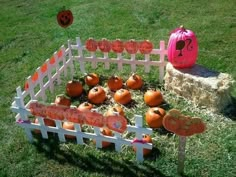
[
  {"x": 134, "y": 82},
  {"x": 115, "y": 83},
  {"x": 47, "y": 122},
  {"x": 115, "y": 109},
  {"x": 153, "y": 97},
  {"x": 154, "y": 117},
  {"x": 74, "y": 88},
  {"x": 69, "y": 126},
  {"x": 97, "y": 95},
  {"x": 62, "y": 100},
  {"x": 145, "y": 139},
  {"x": 107, "y": 132},
  {"x": 91, "y": 79},
  {"x": 122, "y": 96},
  {"x": 85, "y": 106},
  {"x": 65, "y": 18}
]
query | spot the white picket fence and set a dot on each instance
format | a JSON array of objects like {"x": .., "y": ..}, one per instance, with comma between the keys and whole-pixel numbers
[{"x": 58, "y": 66}]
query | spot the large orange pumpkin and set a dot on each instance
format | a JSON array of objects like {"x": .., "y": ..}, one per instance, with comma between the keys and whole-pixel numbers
[
  {"x": 145, "y": 139},
  {"x": 122, "y": 96},
  {"x": 115, "y": 83},
  {"x": 97, "y": 95},
  {"x": 153, "y": 97},
  {"x": 91, "y": 79},
  {"x": 154, "y": 117},
  {"x": 74, "y": 88},
  {"x": 134, "y": 82}
]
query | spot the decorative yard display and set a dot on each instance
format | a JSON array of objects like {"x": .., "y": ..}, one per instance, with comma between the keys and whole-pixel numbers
[
  {"x": 145, "y": 47},
  {"x": 183, "y": 126},
  {"x": 117, "y": 46},
  {"x": 182, "y": 48},
  {"x": 104, "y": 45},
  {"x": 131, "y": 46},
  {"x": 65, "y": 18},
  {"x": 153, "y": 97},
  {"x": 61, "y": 64}
]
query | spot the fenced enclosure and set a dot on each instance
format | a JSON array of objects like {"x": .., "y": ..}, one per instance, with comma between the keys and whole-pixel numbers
[{"x": 60, "y": 65}]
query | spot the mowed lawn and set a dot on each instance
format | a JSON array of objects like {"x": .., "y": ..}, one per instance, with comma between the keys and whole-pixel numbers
[{"x": 29, "y": 34}]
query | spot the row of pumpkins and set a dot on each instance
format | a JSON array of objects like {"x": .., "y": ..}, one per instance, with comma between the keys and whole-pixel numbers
[{"x": 97, "y": 95}]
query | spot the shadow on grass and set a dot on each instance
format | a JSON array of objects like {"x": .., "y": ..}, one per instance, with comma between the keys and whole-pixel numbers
[
  {"x": 93, "y": 162},
  {"x": 230, "y": 110}
]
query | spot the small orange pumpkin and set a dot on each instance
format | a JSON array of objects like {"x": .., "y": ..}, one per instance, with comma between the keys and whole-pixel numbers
[
  {"x": 65, "y": 18},
  {"x": 145, "y": 139},
  {"x": 115, "y": 109},
  {"x": 107, "y": 132},
  {"x": 122, "y": 96},
  {"x": 97, "y": 95},
  {"x": 47, "y": 122},
  {"x": 91, "y": 79},
  {"x": 134, "y": 82},
  {"x": 69, "y": 126},
  {"x": 153, "y": 97},
  {"x": 154, "y": 117},
  {"x": 62, "y": 100},
  {"x": 115, "y": 83},
  {"x": 74, "y": 88},
  {"x": 85, "y": 106}
]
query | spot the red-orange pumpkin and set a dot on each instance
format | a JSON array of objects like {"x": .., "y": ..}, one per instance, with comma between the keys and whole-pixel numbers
[
  {"x": 69, "y": 126},
  {"x": 122, "y": 96},
  {"x": 107, "y": 132},
  {"x": 145, "y": 139},
  {"x": 97, "y": 95},
  {"x": 115, "y": 83},
  {"x": 134, "y": 82},
  {"x": 62, "y": 100},
  {"x": 131, "y": 46},
  {"x": 91, "y": 79},
  {"x": 74, "y": 88},
  {"x": 65, "y": 18},
  {"x": 145, "y": 47},
  {"x": 47, "y": 122},
  {"x": 153, "y": 97},
  {"x": 154, "y": 117},
  {"x": 104, "y": 45}
]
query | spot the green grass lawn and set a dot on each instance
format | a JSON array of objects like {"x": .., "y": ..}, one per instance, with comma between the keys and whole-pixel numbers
[{"x": 29, "y": 34}]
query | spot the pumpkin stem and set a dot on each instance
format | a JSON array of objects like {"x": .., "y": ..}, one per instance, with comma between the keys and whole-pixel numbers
[{"x": 156, "y": 111}]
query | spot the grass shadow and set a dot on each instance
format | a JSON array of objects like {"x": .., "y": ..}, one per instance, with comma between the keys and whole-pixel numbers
[{"x": 94, "y": 162}]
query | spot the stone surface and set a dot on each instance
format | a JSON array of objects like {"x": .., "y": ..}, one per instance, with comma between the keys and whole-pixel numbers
[{"x": 205, "y": 88}]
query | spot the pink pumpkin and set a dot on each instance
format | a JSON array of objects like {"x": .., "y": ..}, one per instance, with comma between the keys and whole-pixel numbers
[{"x": 182, "y": 48}]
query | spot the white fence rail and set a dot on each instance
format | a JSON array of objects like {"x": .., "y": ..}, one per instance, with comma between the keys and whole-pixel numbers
[{"x": 60, "y": 64}]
